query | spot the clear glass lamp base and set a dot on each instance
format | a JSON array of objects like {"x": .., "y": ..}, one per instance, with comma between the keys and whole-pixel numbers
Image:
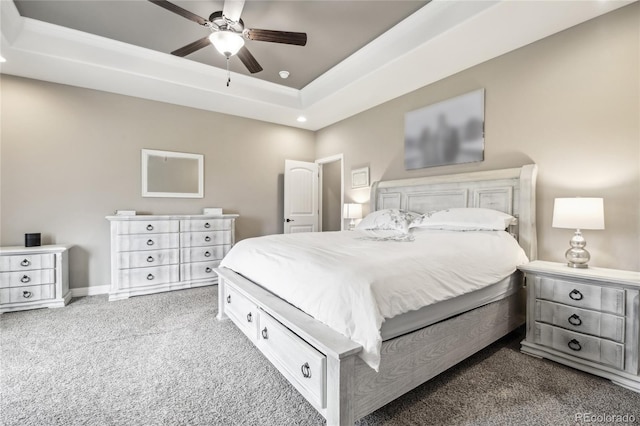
[{"x": 577, "y": 256}]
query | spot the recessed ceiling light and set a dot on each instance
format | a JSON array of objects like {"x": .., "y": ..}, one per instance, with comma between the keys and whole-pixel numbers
[
  {"x": 302, "y": 119},
  {"x": 284, "y": 74}
]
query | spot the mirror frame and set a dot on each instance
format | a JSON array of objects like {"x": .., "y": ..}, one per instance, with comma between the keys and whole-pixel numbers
[{"x": 146, "y": 153}]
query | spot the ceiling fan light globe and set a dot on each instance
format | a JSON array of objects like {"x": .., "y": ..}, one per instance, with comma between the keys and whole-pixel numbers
[{"x": 226, "y": 42}]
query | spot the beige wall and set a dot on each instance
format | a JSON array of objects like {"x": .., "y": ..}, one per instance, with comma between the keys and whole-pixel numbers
[
  {"x": 569, "y": 103},
  {"x": 71, "y": 156}
]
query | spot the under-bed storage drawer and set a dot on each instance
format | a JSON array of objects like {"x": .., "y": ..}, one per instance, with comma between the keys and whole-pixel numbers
[
  {"x": 606, "y": 299},
  {"x": 581, "y": 320},
  {"x": 592, "y": 348},
  {"x": 299, "y": 362},
  {"x": 242, "y": 312}
]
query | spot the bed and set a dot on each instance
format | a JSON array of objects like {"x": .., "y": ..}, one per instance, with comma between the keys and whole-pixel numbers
[{"x": 336, "y": 374}]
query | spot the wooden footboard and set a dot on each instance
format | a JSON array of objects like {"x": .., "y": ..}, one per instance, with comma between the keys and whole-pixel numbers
[{"x": 323, "y": 365}]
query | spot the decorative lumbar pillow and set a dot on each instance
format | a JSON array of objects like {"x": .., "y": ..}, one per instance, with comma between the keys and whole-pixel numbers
[
  {"x": 388, "y": 220},
  {"x": 464, "y": 219}
]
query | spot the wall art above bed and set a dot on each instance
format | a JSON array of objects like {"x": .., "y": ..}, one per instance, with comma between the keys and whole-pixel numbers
[{"x": 448, "y": 132}]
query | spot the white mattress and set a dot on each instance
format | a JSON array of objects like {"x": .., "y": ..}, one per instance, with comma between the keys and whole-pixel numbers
[
  {"x": 428, "y": 315},
  {"x": 352, "y": 283}
]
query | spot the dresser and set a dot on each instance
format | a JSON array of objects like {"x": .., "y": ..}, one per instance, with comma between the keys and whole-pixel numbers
[
  {"x": 151, "y": 254},
  {"x": 34, "y": 277},
  {"x": 588, "y": 319}
]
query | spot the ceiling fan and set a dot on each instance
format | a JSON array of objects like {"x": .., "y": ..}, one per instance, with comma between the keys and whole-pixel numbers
[{"x": 228, "y": 33}]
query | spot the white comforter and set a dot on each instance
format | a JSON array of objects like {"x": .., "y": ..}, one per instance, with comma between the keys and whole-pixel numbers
[{"x": 352, "y": 284}]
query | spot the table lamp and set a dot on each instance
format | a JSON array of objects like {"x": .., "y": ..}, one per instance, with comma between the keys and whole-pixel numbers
[
  {"x": 578, "y": 213},
  {"x": 352, "y": 211}
]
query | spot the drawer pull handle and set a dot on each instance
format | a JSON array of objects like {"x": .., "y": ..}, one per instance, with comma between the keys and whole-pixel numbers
[
  {"x": 27, "y": 294},
  {"x": 150, "y": 259},
  {"x": 150, "y": 277},
  {"x": 25, "y": 262},
  {"x": 207, "y": 254},
  {"x": 149, "y": 227},
  {"x": 149, "y": 242},
  {"x": 574, "y": 345},
  {"x": 249, "y": 317},
  {"x": 208, "y": 270},
  {"x": 229, "y": 299},
  {"x": 306, "y": 370},
  {"x": 207, "y": 238},
  {"x": 576, "y": 295},
  {"x": 25, "y": 279},
  {"x": 265, "y": 334},
  {"x": 575, "y": 320},
  {"x": 206, "y": 225}
]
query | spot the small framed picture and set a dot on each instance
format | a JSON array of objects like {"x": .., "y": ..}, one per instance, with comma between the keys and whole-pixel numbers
[{"x": 360, "y": 178}]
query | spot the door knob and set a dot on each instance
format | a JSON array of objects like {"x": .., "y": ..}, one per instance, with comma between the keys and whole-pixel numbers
[{"x": 289, "y": 220}]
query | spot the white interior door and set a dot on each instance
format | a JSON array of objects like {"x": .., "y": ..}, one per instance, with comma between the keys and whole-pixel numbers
[{"x": 300, "y": 196}]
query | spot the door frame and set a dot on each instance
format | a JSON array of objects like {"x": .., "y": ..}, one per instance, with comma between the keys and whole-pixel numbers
[{"x": 321, "y": 162}]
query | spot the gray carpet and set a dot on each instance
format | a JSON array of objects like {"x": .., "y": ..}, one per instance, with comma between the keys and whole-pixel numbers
[{"x": 165, "y": 360}]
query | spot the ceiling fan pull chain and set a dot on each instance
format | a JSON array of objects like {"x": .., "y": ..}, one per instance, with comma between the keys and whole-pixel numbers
[{"x": 228, "y": 73}]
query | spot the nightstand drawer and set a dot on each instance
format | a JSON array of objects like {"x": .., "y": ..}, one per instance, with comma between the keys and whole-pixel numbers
[
  {"x": 26, "y": 294},
  {"x": 606, "y": 299},
  {"x": 584, "y": 321},
  {"x": 27, "y": 278},
  {"x": 580, "y": 345},
  {"x": 27, "y": 262}
]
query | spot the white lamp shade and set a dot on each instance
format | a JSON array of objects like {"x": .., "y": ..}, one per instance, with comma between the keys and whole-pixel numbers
[
  {"x": 578, "y": 213},
  {"x": 226, "y": 42},
  {"x": 352, "y": 211}
]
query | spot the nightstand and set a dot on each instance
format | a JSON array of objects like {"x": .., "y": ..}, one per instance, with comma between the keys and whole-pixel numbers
[{"x": 588, "y": 319}]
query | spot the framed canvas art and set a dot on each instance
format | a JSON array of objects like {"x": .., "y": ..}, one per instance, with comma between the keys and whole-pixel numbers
[{"x": 448, "y": 132}]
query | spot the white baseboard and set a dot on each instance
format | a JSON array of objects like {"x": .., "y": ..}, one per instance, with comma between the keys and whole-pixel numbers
[{"x": 89, "y": 291}]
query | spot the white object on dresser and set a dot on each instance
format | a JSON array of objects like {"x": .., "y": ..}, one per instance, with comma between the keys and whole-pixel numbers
[
  {"x": 34, "y": 277},
  {"x": 151, "y": 254},
  {"x": 588, "y": 319}
]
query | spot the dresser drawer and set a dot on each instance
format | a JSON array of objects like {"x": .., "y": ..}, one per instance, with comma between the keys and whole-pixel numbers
[
  {"x": 199, "y": 270},
  {"x": 580, "y": 345},
  {"x": 584, "y": 321},
  {"x": 606, "y": 299},
  {"x": 201, "y": 254},
  {"x": 27, "y": 262},
  {"x": 139, "y": 277},
  {"x": 299, "y": 362},
  {"x": 146, "y": 242},
  {"x": 147, "y": 227},
  {"x": 242, "y": 312},
  {"x": 27, "y": 278},
  {"x": 27, "y": 294},
  {"x": 206, "y": 225},
  {"x": 199, "y": 239},
  {"x": 141, "y": 259}
]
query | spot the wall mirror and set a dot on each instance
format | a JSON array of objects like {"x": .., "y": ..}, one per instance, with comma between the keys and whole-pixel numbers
[{"x": 172, "y": 174}]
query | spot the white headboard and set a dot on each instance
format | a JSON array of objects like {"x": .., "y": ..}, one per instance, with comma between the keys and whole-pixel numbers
[{"x": 512, "y": 191}]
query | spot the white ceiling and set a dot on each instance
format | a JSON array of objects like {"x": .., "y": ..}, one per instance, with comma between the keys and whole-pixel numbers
[{"x": 438, "y": 40}]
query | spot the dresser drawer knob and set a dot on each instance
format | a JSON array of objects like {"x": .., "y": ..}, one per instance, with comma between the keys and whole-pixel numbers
[
  {"x": 576, "y": 295},
  {"x": 25, "y": 262},
  {"x": 25, "y": 279},
  {"x": 575, "y": 320},
  {"x": 229, "y": 299},
  {"x": 150, "y": 277},
  {"x": 249, "y": 317},
  {"x": 206, "y": 225},
  {"x": 150, "y": 259},
  {"x": 574, "y": 345},
  {"x": 208, "y": 270},
  {"x": 306, "y": 370},
  {"x": 149, "y": 227},
  {"x": 150, "y": 242},
  {"x": 265, "y": 334},
  {"x": 27, "y": 294},
  {"x": 207, "y": 238},
  {"x": 207, "y": 254}
]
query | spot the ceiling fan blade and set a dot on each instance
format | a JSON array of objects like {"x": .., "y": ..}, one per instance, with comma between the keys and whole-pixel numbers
[
  {"x": 248, "y": 60},
  {"x": 192, "y": 47},
  {"x": 180, "y": 11},
  {"x": 286, "y": 37},
  {"x": 232, "y": 9}
]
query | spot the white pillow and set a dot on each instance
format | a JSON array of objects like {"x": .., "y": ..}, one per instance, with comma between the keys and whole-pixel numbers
[
  {"x": 464, "y": 219},
  {"x": 388, "y": 219}
]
